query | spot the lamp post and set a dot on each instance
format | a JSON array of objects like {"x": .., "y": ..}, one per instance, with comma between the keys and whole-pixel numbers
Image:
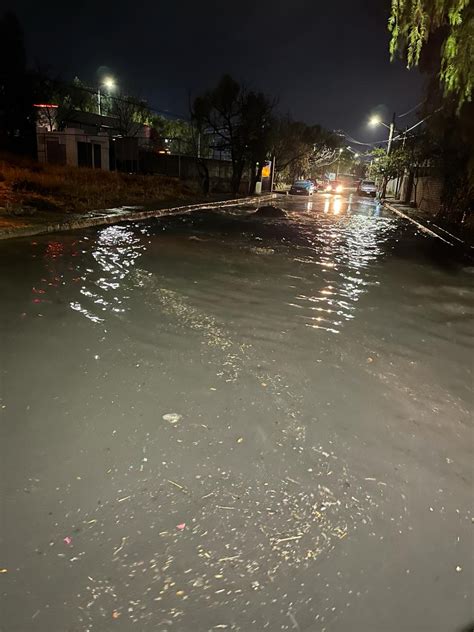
[
  {"x": 338, "y": 159},
  {"x": 376, "y": 120},
  {"x": 109, "y": 84}
]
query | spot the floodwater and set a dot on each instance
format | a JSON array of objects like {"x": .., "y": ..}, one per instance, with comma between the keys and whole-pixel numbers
[{"x": 213, "y": 422}]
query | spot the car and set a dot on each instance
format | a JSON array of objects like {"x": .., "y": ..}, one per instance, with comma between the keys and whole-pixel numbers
[
  {"x": 334, "y": 186},
  {"x": 367, "y": 187},
  {"x": 302, "y": 187}
]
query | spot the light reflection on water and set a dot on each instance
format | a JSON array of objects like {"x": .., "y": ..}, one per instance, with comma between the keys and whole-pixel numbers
[
  {"x": 344, "y": 250},
  {"x": 328, "y": 255},
  {"x": 116, "y": 251},
  {"x": 332, "y": 262}
]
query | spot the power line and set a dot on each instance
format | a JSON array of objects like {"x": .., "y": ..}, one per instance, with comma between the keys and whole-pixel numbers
[{"x": 410, "y": 110}]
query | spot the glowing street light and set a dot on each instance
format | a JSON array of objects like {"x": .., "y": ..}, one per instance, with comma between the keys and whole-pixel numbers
[
  {"x": 109, "y": 83},
  {"x": 375, "y": 120}
]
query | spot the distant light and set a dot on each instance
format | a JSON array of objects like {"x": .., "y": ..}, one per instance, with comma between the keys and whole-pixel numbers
[
  {"x": 341, "y": 150},
  {"x": 375, "y": 120},
  {"x": 356, "y": 155},
  {"x": 109, "y": 83}
]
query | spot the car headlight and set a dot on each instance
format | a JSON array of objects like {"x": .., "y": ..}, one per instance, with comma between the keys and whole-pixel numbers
[
  {"x": 328, "y": 188},
  {"x": 339, "y": 189}
]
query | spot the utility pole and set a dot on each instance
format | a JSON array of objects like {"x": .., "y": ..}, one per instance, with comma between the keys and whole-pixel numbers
[
  {"x": 389, "y": 147},
  {"x": 337, "y": 166},
  {"x": 272, "y": 179},
  {"x": 99, "y": 101},
  {"x": 390, "y": 135}
]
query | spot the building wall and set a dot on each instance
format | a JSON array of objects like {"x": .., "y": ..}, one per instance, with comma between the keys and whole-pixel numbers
[
  {"x": 67, "y": 151},
  {"x": 426, "y": 193}
]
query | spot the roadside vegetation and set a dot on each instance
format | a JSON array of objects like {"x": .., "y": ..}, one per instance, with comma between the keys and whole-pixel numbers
[{"x": 30, "y": 189}]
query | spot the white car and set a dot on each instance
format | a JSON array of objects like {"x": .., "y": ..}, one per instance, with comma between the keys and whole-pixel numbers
[{"x": 367, "y": 187}]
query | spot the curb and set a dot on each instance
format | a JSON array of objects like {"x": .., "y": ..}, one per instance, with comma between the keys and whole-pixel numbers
[
  {"x": 418, "y": 224},
  {"x": 127, "y": 216}
]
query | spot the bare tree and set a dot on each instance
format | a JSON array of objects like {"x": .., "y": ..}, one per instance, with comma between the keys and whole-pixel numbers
[
  {"x": 131, "y": 115},
  {"x": 239, "y": 120}
]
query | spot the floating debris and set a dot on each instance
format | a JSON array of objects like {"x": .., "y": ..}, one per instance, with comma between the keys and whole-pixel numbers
[
  {"x": 181, "y": 526},
  {"x": 117, "y": 550},
  {"x": 67, "y": 540},
  {"x": 172, "y": 418},
  {"x": 293, "y": 537},
  {"x": 177, "y": 485}
]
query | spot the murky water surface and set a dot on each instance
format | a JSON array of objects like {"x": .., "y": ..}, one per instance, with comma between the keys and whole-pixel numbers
[{"x": 216, "y": 422}]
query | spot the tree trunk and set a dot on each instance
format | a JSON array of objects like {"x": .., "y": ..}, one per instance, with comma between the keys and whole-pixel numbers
[
  {"x": 237, "y": 170},
  {"x": 203, "y": 174}
]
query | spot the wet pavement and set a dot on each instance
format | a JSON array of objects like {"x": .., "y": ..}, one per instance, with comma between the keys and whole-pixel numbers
[{"x": 219, "y": 422}]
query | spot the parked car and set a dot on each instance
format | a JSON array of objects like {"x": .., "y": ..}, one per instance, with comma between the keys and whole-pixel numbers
[
  {"x": 367, "y": 187},
  {"x": 334, "y": 186},
  {"x": 302, "y": 187}
]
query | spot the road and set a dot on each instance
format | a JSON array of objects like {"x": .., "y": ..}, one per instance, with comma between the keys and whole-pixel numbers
[{"x": 220, "y": 422}]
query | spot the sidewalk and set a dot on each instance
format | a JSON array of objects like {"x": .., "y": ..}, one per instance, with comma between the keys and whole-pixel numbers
[
  {"x": 453, "y": 234},
  {"x": 25, "y": 226}
]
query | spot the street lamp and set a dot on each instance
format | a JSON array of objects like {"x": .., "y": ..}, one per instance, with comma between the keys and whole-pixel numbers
[
  {"x": 376, "y": 120},
  {"x": 109, "y": 84}
]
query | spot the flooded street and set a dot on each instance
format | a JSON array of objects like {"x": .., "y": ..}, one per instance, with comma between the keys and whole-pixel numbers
[{"x": 223, "y": 422}]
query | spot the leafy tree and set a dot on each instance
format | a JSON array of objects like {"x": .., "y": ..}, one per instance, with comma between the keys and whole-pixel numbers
[
  {"x": 449, "y": 23},
  {"x": 391, "y": 165},
  {"x": 300, "y": 148},
  {"x": 173, "y": 135}
]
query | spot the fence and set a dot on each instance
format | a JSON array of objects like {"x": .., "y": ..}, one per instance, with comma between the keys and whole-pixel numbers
[{"x": 174, "y": 157}]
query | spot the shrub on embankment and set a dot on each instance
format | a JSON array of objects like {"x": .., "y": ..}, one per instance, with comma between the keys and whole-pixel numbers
[{"x": 28, "y": 187}]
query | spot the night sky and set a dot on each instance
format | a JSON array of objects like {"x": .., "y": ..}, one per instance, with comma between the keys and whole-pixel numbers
[{"x": 327, "y": 62}]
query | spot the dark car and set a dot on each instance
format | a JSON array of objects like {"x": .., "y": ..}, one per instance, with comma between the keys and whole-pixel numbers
[{"x": 302, "y": 187}]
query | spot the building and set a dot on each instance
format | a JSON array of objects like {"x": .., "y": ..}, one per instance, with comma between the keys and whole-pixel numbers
[{"x": 87, "y": 139}]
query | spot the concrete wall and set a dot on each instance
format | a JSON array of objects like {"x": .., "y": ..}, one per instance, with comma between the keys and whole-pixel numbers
[
  {"x": 423, "y": 192},
  {"x": 185, "y": 168}
]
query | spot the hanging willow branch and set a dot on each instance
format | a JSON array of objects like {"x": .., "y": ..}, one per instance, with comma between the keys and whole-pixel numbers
[{"x": 411, "y": 23}]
